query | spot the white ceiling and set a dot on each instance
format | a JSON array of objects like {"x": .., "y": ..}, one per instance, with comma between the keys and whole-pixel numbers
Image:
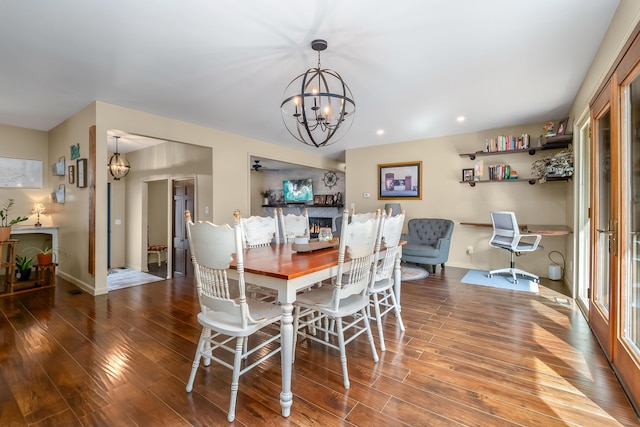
[{"x": 413, "y": 66}]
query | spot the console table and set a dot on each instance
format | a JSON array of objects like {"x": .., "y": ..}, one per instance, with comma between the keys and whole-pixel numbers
[{"x": 52, "y": 231}]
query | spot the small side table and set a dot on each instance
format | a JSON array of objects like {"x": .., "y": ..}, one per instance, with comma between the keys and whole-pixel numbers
[
  {"x": 7, "y": 261},
  {"x": 46, "y": 274}
]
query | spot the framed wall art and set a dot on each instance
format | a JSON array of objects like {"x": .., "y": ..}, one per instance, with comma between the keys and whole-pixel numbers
[
  {"x": 400, "y": 181},
  {"x": 81, "y": 167},
  {"x": 72, "y": 174},
  {"x": 20, "y": 173}
]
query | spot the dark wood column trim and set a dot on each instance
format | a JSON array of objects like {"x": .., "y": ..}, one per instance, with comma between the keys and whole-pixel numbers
[{"x": 92, "y": 200}]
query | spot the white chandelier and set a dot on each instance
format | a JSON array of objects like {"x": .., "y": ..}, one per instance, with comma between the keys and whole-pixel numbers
[{"x": 318, "y": 106}]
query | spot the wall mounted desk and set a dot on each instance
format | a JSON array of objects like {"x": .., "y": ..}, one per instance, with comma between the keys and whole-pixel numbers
[{"x": 542, "y": 229}]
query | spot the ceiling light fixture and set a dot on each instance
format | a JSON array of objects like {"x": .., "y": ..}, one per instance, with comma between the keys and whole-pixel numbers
[
  {"x": 318, "y": 106},
  {"x": 118, "y": 166}
]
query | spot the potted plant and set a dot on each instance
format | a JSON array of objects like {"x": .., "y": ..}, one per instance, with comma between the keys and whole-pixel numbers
[
  {"x": 46, "y": 256},
  {"x": 23, "y": 267},
  {"x": 265, "y": 193},
  {"x": 5, "y": 222},
  {"x": 557, "y": 166}
]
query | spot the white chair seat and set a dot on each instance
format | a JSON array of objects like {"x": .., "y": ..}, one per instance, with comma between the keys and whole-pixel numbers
[
  {"x": 231, "y": 325},
  {"x": 320, "y": 299}
]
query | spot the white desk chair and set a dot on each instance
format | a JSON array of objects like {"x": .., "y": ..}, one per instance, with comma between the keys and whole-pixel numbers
[
  {"x": 506, "y": 235},
  {"x": 223, "y": 317},
  {"x": 293, "y": 226},
  {"x": 381, "y": 292},
  {"x": 346, "y": 296}
]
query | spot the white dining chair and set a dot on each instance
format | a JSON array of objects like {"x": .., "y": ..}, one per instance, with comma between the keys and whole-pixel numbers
[
  {"x": 260, "y": 231},
  {"x": 224, "y": 317},
  {"x": 345, "y": 297},
  {"x": 381, "y": 291},
  {"x": 293, "y": 225}
]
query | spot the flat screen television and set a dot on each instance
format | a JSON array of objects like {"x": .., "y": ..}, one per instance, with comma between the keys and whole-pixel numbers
[{"x": 298, "y": 190}]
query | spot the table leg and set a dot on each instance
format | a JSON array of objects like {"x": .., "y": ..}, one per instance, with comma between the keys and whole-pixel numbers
[
  {"x": 286, "y": 353},
  {"x": 397, "y": 280}
]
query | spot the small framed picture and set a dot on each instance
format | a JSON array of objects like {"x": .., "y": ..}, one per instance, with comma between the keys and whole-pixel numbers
[
  {"x": 81, "y": 167},
  {"x": 467, "y": 175},
  {"x": 72, "y": 174},
  {"x": 562, "y": 127},
  {"x": 318, "y": 199},
  {"x": 329, "y": 200}
]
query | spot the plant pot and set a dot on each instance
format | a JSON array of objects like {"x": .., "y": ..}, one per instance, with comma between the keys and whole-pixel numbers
[
  {"x": 5, "y": 233},
  {"x": 45, "y": 259},
  {"x": 23, "y": 275}
]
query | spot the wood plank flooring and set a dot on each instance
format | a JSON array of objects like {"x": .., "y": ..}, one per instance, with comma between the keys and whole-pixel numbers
[{"x": 471, "y": 355}]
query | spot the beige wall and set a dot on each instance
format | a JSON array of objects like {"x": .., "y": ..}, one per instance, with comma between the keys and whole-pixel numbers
[
  {"x": 72, "y": 217},
  {"x": 230, "y": 158},
  {"x": 29, "y": 144},
  {"x": 444, "y": 197}
]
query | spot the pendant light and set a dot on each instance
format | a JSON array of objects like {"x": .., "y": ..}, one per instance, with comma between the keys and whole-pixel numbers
[{"x": 118, "y": 166}]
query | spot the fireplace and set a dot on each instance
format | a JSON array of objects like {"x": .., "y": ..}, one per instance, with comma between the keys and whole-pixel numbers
[{"x": 315, "y": 223}]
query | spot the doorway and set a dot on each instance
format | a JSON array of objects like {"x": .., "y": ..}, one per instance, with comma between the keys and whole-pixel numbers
[{"x": 183, "y": 199}]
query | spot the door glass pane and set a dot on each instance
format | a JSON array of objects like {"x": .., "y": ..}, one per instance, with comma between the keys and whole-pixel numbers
[
  {"x": 631, "y": 329},
  {"x": 602, "y": 289}
]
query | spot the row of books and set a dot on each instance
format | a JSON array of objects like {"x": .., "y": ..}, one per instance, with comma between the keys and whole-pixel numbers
[
  {"x": 507, "y": 143},
  {"x": 499, "y": 172}
]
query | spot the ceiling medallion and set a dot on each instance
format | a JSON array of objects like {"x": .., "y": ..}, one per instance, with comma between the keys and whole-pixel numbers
[{"x": 318, "y": 106}]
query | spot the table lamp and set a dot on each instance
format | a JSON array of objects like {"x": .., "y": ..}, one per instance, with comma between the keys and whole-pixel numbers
[{"x": 38, "y": 208}]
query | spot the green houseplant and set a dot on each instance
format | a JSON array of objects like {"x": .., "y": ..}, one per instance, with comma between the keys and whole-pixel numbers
[
  {"x": 5, "y": 222},
  {"x": 23, "y": 267}
]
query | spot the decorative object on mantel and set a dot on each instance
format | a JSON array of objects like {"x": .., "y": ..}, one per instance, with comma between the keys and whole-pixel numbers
[
  {"x": 330, "y": 179},
  {"x": 118, "y": 166},
  {"x": 265, "y": 194},
  {"x": 75, "y": 151},
  {"x": 318, "y": 106},
  {"x": 5, "y": 222},
  {"x": 38, "y": 208},
  {"x": 560, "y": 165}
]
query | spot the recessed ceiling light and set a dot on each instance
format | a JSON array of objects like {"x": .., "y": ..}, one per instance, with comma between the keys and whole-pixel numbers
[
  {"x": 461, "y": 119},
  {"x": 380, "y": 132}
]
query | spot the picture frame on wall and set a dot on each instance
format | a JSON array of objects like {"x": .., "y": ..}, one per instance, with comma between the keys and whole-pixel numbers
[
  {"x": 72, "y": 174},
  {"x": 81, "y": 166},
  {"x": 562, "y": 127},
  {"x": 400, "y": 181},
  {"x": 467, "y": 175}
]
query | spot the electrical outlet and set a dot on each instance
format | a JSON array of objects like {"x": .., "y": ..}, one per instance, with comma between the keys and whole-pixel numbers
[{"x": 469, "y": 250}]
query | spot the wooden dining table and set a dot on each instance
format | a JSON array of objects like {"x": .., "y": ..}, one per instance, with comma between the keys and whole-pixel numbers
[{"x": 281, "y": 268}]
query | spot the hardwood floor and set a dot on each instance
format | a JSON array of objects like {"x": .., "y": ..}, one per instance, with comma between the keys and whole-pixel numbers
[{"x": 471, "y": 355}]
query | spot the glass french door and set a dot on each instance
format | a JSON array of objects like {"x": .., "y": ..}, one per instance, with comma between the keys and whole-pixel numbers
[
  {"x": 604, "y": 237},
  {"x": 614, "y": 304}
]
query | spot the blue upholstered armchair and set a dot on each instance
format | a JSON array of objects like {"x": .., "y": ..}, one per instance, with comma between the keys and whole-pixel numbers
[{"x": 428, "y": 241}]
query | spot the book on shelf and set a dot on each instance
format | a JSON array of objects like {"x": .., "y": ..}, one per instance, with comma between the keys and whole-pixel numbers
[{"x": 508, "y": 143}]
